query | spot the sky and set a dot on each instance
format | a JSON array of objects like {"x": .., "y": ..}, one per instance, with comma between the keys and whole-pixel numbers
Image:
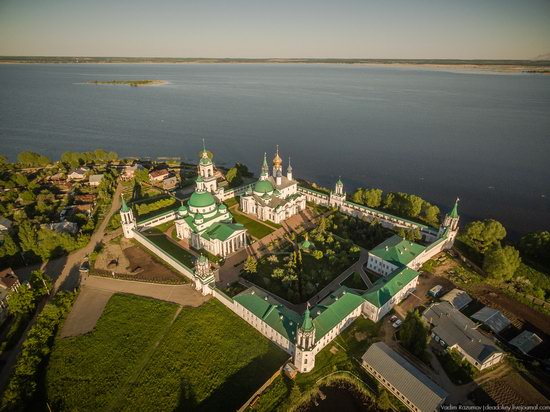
[{"x": 406, "y": 29}]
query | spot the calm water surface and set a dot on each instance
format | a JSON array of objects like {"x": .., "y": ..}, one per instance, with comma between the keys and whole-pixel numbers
[{"x": 482, "y": 137}]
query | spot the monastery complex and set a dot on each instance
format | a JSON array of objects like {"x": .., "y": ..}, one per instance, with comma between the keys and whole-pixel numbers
[{"x": 206, "y": 223}]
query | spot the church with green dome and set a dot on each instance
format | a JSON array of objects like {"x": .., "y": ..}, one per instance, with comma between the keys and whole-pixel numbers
[
  {"x": 274, "y": 197},
  {"x": 205, "y": 223}
]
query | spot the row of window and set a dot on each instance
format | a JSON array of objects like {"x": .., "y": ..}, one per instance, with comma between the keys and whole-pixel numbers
[{"x": 392, "y": 388}]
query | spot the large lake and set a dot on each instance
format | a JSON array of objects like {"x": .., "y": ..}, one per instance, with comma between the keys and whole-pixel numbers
[{"x": 482, "y": 137}]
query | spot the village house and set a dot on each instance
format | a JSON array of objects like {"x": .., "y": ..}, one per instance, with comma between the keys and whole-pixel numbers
[
  {"x": 95, "y": 180},
  {"x": 78, "y": 174},
  {"x": 454, "y": 330},
  {"x": 158, "y": 175},
  {"x": 130, "y": 171}
]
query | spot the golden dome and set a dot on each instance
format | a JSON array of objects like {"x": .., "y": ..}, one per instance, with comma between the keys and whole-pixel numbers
[{"x": 277, "y": 161}]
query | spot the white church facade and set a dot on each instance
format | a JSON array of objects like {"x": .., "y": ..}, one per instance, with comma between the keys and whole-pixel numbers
[{"x": 274, "y": 197}]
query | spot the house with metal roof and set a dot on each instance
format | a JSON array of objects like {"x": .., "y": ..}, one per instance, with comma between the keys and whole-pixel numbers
[
  {"x": 453, "y": 330},
  {"x": 457, "y": 298},
  {"x": 413, "y": 388},
  {"x": 526, "y": 341},
  {"x": 492, "y": 318}
]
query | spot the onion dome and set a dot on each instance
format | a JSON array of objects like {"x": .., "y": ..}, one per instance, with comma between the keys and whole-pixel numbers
[
  {"x": 182, "y": 209},
  {"x": 222, "y": 208},
  {"x": 205, "y": 159},
  {"x": 263, "y": 186},
  {"x": 199, "y": 179},
  {"x": 201, "y": 199},
  {"x": 277, "y": 161},
  {"x": 199, "y": 218}
]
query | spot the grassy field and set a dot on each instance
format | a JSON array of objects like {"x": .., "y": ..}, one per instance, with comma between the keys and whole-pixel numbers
[
  {"x": 208, "y": 359},
  {"x": 255, "y": 228},
  {"x": 174, "y": 250},
  {"x": 86, "y": 373}
]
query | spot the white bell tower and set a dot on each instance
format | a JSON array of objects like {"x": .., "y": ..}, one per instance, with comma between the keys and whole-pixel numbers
[
  {"x": 206, "y": 171},
  {"x": 338, "y": 197},
  {"x": 304, "y": 356},
  {"x": 127, "y": 220}
]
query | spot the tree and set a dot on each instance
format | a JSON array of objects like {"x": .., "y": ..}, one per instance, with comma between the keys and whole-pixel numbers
[
  {"x": 141, "y": 175},
  {"x": 27, "y": 236},
  {"x": 501, "y": 262},
  {"x": 21, "y": 301},
  {"x": 20, "y": 180},
  {"x": 536, "y": 246},
  {"x": 9, "y": 247},
  {"x": 233, "y": 177},
  {"x": 32, "y": 159},
  {"x": 250, "y": 265},
  {"x": 357, "y": 196},
  {"x": 317, "y": 254},
  {"x": 278, "y": 273},
  {"x": 372, "y": 197},
  {"x": 383, "y": 401},
  {"x": 430, "y": 213},
  {"x": 413, "y": 334},
  {"x": 40, "y": 283},
  {"x": 483, "y": 234}
]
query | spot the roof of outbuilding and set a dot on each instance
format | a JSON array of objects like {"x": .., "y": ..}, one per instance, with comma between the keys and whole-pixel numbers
[
  {"x": 397, "y": 250},
  {"x": 493, "y": 318},
  {"x": 526, "y": 341},
  {"x": 406, "y": 378},
  {"x": 457, "y": 297},
  {"x": 385, "y": 288}
]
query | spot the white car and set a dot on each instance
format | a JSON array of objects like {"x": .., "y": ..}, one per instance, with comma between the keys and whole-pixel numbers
[
  {"x": 397, "y": 323},
  {"x": 393, "y": 318}
]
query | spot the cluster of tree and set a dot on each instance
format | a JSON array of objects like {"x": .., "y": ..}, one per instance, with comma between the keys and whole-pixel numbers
[
  {"x": 365, "y": 234},
  {"x": 23, "y": 381},
  {"x": 413, "y": 334},
  {"x": 145, "y": 208},
  {"x": 485, "y": 237},
  {"x": 75, "y": 159},
  {"x": 536, "y": 247},
  {"x": 23, "y": 301},
  {"x": 46, "y": 243},
  {"x": 234, "y": 176},
  {"x": 402, "y": 204},
  {"x": 32, "y": 159}
]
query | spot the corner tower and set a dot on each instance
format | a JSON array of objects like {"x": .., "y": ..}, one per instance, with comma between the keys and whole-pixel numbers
[
  {"x": 304, "y": 356},
  {"x": 204, "y": 275},
  {"x": 449, "y": 227},
  {"x": 127, "y": 219}
]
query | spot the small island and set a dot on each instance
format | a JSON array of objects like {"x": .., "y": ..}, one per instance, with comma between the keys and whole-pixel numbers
[{"x": 132, "y": 83}]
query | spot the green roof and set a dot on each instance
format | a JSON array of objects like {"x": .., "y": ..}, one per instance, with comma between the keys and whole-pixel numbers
[
  {"x": 385, "y": 289},
  {"x": 182, "y": 208},
  {"x": 201, "y": 199},
  {"x": 454, "y": 212},
  {"x": 333, "y": 309},
  {"x": 271, "y": 311},
  {"x": 397, "y": 250},
  {"x": 156, "y": 216},
  {"x": 124, "y": 207},
  {"x": 222, "y": 231},
  {"x": 199, "y": 179},
  {"x": 307, "y": 245},
  {"x": 339, "y": 182},
  {"x": 263, "y": 186}
]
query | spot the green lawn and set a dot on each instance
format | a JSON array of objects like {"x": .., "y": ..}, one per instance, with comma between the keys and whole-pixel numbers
[
  {"x": 85, "y": 373},
  {"x": 208, "y": 359},
  {"x": 255, "y": 229},
  {"x": 231, "y": 202},
  {"x": 211, "y": 360},
  {"x": 173, "y": 249}
]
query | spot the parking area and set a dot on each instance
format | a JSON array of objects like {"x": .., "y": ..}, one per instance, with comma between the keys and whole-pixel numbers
[{"x": 420, "y": 299}]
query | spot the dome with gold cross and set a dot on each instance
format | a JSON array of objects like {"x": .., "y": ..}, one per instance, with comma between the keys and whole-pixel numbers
[{"x": 277, "y": 161}]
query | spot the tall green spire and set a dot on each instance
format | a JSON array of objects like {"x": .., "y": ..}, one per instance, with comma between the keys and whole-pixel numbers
[
  {"x": 124, "y": 207},
  {"x": 307, "y": 323},
  {"x": 265, "y": 167},
  {"x": 454, "y": 211}
]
